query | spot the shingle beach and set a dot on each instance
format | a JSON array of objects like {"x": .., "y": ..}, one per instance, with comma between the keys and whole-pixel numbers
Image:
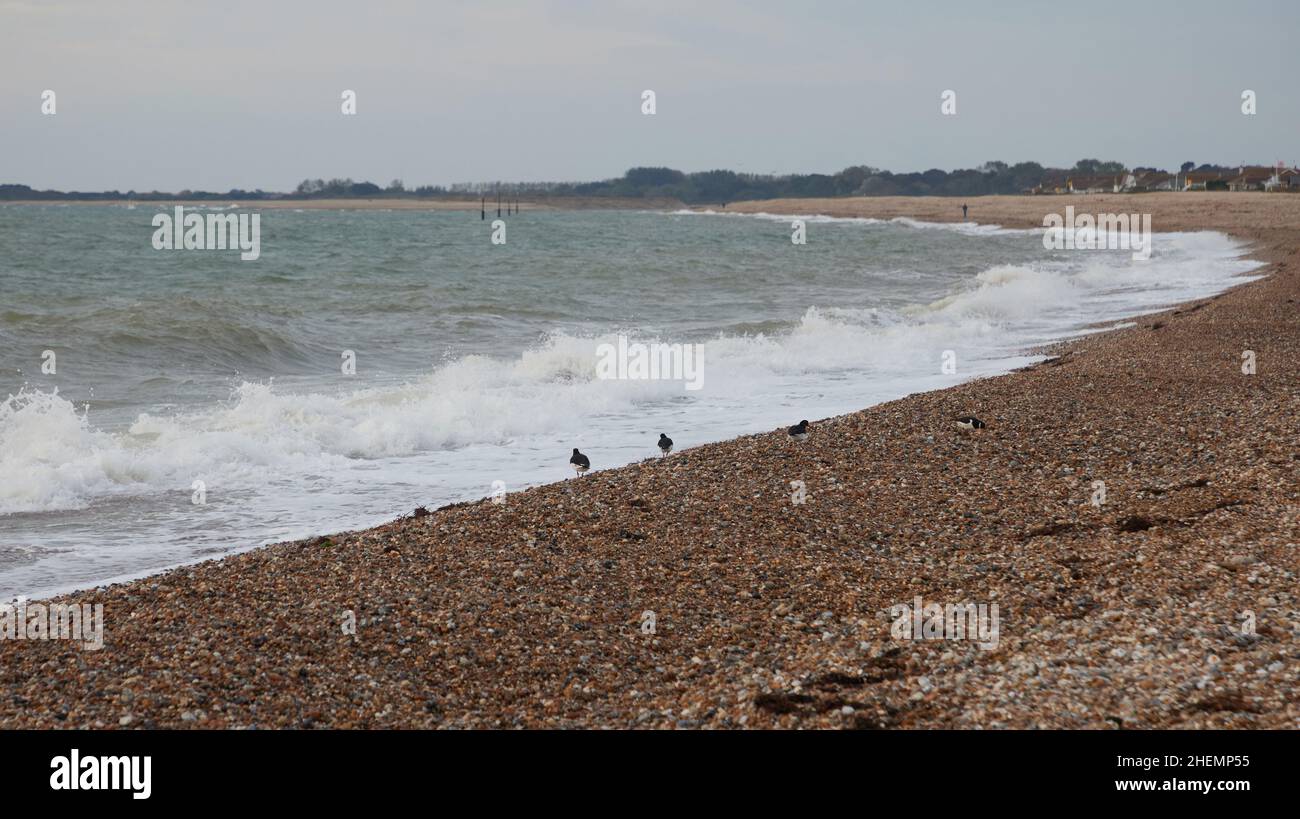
[{"x": 692, "y": 591}]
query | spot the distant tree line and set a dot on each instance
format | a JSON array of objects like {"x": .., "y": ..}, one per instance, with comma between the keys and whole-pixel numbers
[
  {"x": 705, "y": 187},
  {"x": 23, "y": 192}
]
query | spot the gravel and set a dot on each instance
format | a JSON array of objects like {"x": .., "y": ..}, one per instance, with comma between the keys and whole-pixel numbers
[{"x": 536, "y": 613}]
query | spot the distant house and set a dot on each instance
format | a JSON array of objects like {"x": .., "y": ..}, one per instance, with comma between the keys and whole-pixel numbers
[
  {"x": 1094, "y": 184},
  {"x": 1254, "y": 178},
  {"x": 1052, "y": 182},
  {"x": 1193, "y": 181},
  {"x": 1140, "y": 180},
  {"x": 1286, "y": 179},
  {"x": 1154, "y": 181},
  {"x": 1144, "y": 179}
]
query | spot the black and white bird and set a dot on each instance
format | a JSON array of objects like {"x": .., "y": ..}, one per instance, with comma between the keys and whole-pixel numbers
[
  {"x": 969, "y": 423},
  {"x": 665, "y": 444},
  {"x": 799, "y": 431},
  {"x": 581, "y": 463}
]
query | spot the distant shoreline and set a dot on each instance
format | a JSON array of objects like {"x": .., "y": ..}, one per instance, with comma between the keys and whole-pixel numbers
[
  {"x": 1180, "y": 210},
  {"x": 535, "y": 203}
]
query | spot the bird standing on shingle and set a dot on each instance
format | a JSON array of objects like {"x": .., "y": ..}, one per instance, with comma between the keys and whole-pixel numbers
[
  {"x": 581, "y": 463},
  {"x": 665, "y": 445}
]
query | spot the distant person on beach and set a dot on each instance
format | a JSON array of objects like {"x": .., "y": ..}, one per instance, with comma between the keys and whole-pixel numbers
[{"x": 963, "y": 211}]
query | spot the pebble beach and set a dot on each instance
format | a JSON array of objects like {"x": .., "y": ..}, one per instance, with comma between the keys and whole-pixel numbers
[{"x": 695, "y": 591}]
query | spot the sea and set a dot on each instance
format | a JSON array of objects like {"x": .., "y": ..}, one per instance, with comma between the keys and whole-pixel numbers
[{"x": 161, "y": 407}]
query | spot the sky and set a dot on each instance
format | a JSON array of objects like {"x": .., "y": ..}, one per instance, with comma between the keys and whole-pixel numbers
[{"x": 154, "y": 95}]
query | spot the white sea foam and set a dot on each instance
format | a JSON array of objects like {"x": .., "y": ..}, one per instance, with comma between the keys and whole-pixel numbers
[
  {"x": 783, "y": 217},
  {"x": 52, "y": 456},
  {"x": 280, "y": 462},
  {"x": 967, "y": 228}
]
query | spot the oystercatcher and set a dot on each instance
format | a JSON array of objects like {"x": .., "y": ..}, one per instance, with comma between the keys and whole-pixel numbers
[
  {"x": 581, "y": 463},
  {"x": 665, "y": 444},
  {"x": 799, "y": 431},
  {"x": 969, "y": 423}
]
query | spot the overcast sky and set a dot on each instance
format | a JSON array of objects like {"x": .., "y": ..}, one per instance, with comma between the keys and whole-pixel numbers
[{"x": 218, "y": 95}]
